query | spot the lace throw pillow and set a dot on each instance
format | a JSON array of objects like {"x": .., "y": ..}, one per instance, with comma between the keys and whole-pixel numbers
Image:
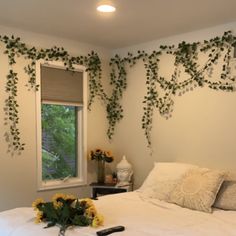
[
  {"x": 197, "y": 189},
  {"x": 163, "y": 178}
]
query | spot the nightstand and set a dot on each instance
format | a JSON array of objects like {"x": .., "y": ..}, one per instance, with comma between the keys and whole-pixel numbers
[{"x": 104, "y": 189}]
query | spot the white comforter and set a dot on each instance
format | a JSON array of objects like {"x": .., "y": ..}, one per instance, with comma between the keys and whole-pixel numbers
[{"x": 141, "y": 217}]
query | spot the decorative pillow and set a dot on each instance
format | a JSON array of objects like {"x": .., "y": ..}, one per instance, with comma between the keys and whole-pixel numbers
[
  {"x": 198, "y": 188},
  {"x": 162, "y": 179},
  {"x": 226, "y": 197}
]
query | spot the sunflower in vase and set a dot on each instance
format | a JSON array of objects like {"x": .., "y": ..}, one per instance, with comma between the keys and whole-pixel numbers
[{"x": 101, "y": 157}]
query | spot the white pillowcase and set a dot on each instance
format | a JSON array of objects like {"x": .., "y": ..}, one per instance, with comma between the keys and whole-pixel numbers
[
  {"x": 163, "y": 178},
  {"x": 198, "y": 189},
  {"x": 226, "y": 197}
]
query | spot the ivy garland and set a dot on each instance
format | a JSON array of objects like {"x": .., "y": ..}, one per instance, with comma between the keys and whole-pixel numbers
[
  {"x": 185, "y": 55},
  {"x": 15, "y": 48},
  {"x": 118, "y": 79}
]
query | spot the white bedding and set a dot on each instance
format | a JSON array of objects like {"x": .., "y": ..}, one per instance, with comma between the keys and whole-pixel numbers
[{"x": 141, "y": 217}]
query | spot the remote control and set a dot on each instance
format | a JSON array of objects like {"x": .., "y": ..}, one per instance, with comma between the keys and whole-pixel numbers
[{"x": 110, "y": 230}]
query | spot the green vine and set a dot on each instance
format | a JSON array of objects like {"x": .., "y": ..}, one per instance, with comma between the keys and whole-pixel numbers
[
  {"x": 11, "y": 113},
  {"x": 185, "y": 61},
  {"x": 15, "y": 48},
  {"x": 93, "y": 67},
  {"x": 118, "y": 80},
  {"x": 151, "y": 98},
  {"x": 186, "y": 56}
]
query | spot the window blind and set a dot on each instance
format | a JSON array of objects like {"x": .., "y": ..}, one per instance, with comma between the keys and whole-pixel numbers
[{"x": 60, "y": 85}]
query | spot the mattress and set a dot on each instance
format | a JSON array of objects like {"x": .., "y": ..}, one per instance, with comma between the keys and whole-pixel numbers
[{"x": 140, "y": 216}]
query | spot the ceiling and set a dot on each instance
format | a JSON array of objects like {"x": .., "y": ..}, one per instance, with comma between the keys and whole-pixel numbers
[{"x": 134, "y": 22}]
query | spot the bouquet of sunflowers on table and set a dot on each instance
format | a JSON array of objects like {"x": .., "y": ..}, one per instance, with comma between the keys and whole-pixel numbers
[
  {"x": 66, "y": 210},
  {"x": 100, "y": 155}
]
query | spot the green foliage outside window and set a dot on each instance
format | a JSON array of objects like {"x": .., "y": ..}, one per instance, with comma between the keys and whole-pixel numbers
[{"x": 59, "y": 141}]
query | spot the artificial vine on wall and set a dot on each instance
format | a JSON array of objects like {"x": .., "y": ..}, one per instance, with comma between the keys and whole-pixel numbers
[
  {"x": 15, "y": 48},
  {"x": 185, "y": 56},
  {"x": 118, "y": 79},
  {"x": 185, "y": 61}
]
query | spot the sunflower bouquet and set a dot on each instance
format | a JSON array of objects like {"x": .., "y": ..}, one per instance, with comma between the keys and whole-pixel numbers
[
  {"x": 65, "y": 210},
  {"x": 100, "y": 155}
]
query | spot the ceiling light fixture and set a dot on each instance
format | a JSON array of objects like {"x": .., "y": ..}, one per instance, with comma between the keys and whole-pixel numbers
[{"x": 106, "y": 8}]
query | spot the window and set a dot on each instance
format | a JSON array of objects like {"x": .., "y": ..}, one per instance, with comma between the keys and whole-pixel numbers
[{"x": 61, "y": 139}]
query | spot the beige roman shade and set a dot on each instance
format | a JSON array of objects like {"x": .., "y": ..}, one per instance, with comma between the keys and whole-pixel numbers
[{"x": 61, "y": 85}]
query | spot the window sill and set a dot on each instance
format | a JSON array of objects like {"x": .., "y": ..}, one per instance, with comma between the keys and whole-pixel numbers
[{"x": 59, "y": 184}]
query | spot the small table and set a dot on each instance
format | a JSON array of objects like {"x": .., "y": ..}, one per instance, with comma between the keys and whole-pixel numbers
[{"x": 104, "y": 189}]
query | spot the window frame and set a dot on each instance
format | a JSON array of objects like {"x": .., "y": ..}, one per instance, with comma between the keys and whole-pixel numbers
[{"x": 81, "y": 179}]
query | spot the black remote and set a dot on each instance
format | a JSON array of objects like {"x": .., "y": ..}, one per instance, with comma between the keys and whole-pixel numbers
[{"x": 110, "y": 230}]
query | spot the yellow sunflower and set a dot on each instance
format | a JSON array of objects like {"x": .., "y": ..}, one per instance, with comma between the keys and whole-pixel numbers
[
  {"x": 88, "y": 202},
  {"x": 90, "y": 156},
  {"x": 37, "y": 202},
  {"x": 57, "y": 204},
  {"x": 39, "y": 217},
  {"x": 91, "y": 211},
  {"x": 70, "y": 197},
  {"x": 97, "y": 221},
  {"x": 108, "y": 153},
  {"x": 58, "y": 196}
]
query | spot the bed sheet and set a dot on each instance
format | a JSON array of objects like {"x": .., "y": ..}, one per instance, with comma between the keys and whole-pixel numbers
[{"x": 140, "y": 216}]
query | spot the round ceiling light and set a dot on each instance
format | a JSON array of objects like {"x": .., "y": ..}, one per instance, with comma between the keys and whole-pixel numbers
[{"x": 106, "y": 8}]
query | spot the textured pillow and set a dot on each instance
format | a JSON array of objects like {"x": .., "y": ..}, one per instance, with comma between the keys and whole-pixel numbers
[
  {"x": 226, "y": 197},
  {"x": 198, "y": 188},
  {"x": 163, "y": 178}
]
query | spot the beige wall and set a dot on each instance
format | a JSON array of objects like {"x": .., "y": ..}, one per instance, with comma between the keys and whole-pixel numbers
[
  {"x": 18, "y": 182},
  {"x": 202, "y": 129}
]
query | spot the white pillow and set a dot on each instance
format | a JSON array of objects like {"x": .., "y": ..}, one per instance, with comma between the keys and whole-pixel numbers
[
  {"x": 226, "y": 197},
  {"x": 197, "y": 189},
  {"x": 163, "y": 178}
]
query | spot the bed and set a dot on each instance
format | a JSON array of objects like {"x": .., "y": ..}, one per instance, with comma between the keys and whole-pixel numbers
[
  {"x": 141, "y": 214},
  {"x": 141, "y": 217}
]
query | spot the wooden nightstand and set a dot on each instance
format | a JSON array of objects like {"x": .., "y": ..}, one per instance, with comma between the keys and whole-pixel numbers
[{"x": 104, "y": 189}]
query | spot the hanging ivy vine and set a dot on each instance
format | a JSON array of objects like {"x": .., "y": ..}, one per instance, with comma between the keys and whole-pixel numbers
[
  {"x": 185, "y": 61},
  {"x": 186, "y": 56},
  {"x": 15, "y": 48},
  {"x": 118, "y": 80}
]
